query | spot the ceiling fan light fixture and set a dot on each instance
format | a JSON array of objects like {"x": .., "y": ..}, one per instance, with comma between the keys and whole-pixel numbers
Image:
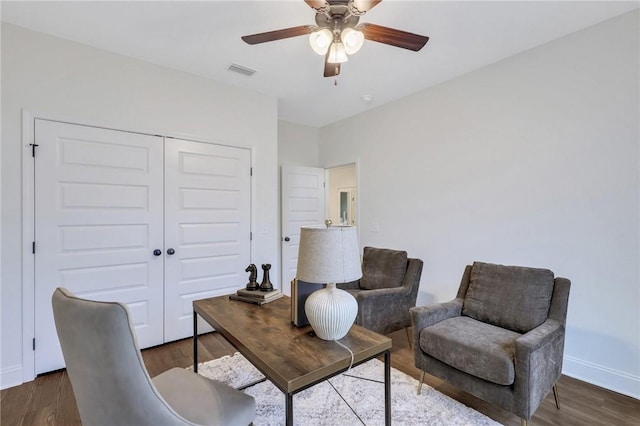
[
  {"x": 352, "y": 39},
  {"x": 337, "y": 54},
  {"x": 320, "y": 40},
  {"x": 338, "y": 32}
]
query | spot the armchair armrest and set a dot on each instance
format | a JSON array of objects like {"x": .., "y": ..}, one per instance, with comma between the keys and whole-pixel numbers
[
  {"x": 425, "y": 316},
  {"x": 538, "y": 362},
  {"x": 353, "y": 285},
  {"x": 538, "y": 337},
  {"x": 378, "y": 295}
]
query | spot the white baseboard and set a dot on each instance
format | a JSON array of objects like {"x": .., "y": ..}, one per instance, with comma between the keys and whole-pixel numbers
[
  {"x": 10, "y": 377},
  {"x": 608, "y": 378}
]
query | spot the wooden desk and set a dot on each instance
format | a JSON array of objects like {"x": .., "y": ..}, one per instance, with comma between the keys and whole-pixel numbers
[{"x": 292, "y": 358}]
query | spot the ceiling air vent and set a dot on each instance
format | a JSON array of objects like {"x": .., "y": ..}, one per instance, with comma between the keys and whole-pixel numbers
[{"x": 241, "y": 70}]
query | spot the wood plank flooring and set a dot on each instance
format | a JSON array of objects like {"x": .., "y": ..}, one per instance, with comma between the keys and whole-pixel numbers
[{"x": 49, "y": 400}]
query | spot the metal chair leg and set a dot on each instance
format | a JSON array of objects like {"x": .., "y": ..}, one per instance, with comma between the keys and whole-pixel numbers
[
  {"x": 420, "y": 385},
  {"x": 555, "y": 395},
  {"x": 409, "y": 337}
]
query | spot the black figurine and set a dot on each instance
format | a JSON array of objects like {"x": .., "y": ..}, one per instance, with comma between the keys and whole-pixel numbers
[
  {"x": 266, "y": 283},
  {"x": 253, "y": 277}
]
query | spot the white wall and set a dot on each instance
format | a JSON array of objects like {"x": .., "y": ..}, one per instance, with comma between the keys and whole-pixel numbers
[
  {"x": 533, "y": 160},
  {"x": 298, "y": 145},
  {"x": 47, "y": 75}
]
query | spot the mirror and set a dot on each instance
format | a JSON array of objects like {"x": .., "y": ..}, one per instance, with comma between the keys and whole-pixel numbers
[
  {"x": 342, "y": 200},
  {"x": 347, "y": 206}
]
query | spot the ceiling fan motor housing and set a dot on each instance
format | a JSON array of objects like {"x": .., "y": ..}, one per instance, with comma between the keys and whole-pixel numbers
[{"x": 337, "y": 19}]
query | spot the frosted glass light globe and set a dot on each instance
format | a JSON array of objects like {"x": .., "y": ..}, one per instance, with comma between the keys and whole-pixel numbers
[
  {"x": 352, "y": 40},
  {"x": 337, "y": 54},
  {"x": 320, "y": 41}
]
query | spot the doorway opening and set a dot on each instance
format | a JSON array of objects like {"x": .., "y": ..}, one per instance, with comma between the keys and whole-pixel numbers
[
  {"x": 342, "y": 195},
  {"x": 309, "y": 196}
]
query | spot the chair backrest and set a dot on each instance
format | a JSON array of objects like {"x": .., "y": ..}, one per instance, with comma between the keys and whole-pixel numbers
[
  {"x": 110, "y": 382},
  {"x": 512, "y": 297},
  {"x": 382, "y": 268}
]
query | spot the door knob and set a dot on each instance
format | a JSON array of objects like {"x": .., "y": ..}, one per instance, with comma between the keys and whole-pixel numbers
[
  {"x": 157, "y": 252},
  {"x": 287, "y": 239},
  {"x": 170, "y": 251}
]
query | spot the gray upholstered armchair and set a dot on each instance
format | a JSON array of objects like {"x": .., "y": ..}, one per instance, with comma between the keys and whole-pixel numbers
[
  {"x": 111, "y": 384},
  {"x": 502, "y": 337},
  {"x": 387, "y": 289}
]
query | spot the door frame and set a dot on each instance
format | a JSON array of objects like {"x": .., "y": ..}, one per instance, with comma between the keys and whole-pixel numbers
[{"x": 27, "y": 371}]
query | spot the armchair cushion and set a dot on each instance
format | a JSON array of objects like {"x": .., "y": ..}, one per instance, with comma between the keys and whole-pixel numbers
[
  {"x": 512, "y": 297},
  {"x": 477, "y": 348},
  {"x": 382, "y": 268}
]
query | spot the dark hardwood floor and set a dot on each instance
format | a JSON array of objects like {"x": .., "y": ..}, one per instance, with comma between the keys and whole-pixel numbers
[{"x": 48, "y": 400}]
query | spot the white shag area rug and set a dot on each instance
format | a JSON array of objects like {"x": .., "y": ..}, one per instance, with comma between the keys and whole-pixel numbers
[{"x": 355, "y": 397}]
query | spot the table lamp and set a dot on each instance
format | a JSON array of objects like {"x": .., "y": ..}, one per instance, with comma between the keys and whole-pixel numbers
[{"x": 329, "y": 254}]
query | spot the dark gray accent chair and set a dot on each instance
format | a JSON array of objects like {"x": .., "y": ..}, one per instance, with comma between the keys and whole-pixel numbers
[
  {"x": 111, "y": 384},
  {"x": 387, "y": 289},
  {"x": 502, "y": 337}
]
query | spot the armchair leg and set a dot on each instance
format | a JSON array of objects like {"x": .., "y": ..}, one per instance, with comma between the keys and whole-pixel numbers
[
  {"x": 523, "y": 422},
  {"x": 409, "y": 337},
  {"x": 555, "y": 395},
  {"x": 420, "y": 385}
]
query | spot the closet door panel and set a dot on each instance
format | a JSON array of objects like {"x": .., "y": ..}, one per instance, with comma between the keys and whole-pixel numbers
[
  {"x": 99, "y": 217},
  {"x": 207, "y": 227}
]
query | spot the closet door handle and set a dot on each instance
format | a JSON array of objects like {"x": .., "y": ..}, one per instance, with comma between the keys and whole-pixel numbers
[
  {"x": 287, "y": 239},
  {"x": 171, "y": 252},
  {"x": 157, "y": 252}
]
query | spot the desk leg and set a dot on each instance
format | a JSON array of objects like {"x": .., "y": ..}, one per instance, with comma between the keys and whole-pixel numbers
[
  {"x": 195, "y": 342},
  {"x": 387, "y": 388},
  {"x": 289, "y": 409}
]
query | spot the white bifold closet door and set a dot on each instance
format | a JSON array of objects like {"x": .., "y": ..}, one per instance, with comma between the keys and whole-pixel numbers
[
  {"x": 207, "y": 227},
  {"x": 110, "y": 204}
]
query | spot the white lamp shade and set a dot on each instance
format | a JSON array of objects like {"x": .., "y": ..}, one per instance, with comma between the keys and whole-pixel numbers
[
  {"x": 320, "y": 41},
  {"x": 352, "y": 40},
  {"x": 329, "y": 255},
  {"x": 337, "y": 54}
]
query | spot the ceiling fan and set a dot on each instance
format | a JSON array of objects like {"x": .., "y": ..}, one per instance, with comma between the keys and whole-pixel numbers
[{"x": 338, "y": 34}]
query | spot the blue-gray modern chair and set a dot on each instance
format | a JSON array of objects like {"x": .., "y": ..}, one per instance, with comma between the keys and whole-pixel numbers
[{"x": 111, "y": 384}]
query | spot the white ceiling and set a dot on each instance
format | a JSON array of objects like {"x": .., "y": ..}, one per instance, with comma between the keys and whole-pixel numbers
[{"x": 203, "y": 38}]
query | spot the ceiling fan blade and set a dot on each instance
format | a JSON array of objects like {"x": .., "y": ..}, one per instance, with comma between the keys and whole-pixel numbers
[
  {"x": 394, "y": 37},
  {"x": 318, "y": 5},
  {"x": 278, "y": 34},
  {"x": 330, "y": 70},
  {"x": 365, "y": 5}
]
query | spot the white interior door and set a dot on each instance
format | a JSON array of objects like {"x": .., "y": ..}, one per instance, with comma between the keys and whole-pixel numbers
[
  {"x": 303, "y": 195},
  {"x": 98, "y": 219},
  {"x": 207, "y": 227}
]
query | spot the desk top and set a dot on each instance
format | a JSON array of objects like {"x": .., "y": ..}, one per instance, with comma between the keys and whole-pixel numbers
[{"x": 292, "y": 358}]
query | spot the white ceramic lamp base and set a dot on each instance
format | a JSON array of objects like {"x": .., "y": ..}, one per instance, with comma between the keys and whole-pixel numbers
[{"x": 331, "y": 312}]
